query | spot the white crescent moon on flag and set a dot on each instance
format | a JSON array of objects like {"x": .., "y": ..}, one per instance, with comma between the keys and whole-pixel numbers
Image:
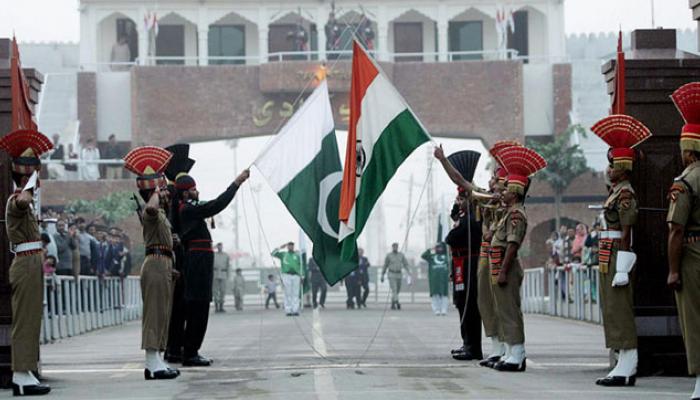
[{"x": 325, "y": 187}]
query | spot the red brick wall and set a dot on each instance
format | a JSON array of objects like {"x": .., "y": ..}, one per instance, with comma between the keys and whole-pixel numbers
[
  {"x": 562, "y": 96},
  {"x": 87, "y": 105}
]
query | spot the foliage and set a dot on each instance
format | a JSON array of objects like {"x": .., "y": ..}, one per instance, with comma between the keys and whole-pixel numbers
[
  {"x": 113, "y": 208},
  {"x": 564, "y": 161}
]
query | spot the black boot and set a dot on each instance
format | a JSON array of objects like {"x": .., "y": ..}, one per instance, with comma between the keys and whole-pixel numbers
[
  {"x": 162, "y": 374},
  {"x": 617, "y": 381},
  {"x": 509, "y": 367},
  {"x": 196, "y": 361},
  {"x": 30, "y": 390}
]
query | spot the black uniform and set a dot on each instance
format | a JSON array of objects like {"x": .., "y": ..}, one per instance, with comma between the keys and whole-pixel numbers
[
  {"x": 199, "y": 265},
  {"x": 318, "y": 284},
  {"x": 464, "y": 241},
  {"x": 363, "y": 271},
  {"x": 176, "y": 330}
]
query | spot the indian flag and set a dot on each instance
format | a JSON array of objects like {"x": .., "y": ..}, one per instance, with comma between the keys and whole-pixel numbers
[
  {"x": 302, "y": 165},
  {"x": 383, "y": 132}
]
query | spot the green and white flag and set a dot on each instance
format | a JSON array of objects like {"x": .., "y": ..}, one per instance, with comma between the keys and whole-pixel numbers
[{"x": 302, "y": 165}]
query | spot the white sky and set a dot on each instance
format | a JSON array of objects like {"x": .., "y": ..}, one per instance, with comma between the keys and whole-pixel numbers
[{"x": 57, "y": 20}]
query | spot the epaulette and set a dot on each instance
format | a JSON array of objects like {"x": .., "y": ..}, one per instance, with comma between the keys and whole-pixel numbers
[{"x": 679, "y": 186}]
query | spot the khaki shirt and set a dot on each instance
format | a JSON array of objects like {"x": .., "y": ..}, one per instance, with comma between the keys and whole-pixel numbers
[
  {"x": 156, "y": 230},
  {"x": 395, "y": 262},
  {"x": 22, "y": 225},
  {"x": 511, "y": 227},
  {"x": 222, "y": 266},
  {"x": 620, "y": 209},
  {"x": 683, "y": 210}
]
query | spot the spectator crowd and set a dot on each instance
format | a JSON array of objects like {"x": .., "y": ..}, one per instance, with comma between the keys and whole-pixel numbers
[{"x": 69, "y": 163}]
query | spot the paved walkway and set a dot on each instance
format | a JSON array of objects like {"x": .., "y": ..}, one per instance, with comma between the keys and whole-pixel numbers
[{"x": 266, "y": 355}]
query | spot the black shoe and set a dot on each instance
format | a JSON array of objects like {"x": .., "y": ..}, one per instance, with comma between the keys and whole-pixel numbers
[
  {"x": 30, "y": 390},
  {"x": 196, "y": 361},
  {"x": 617, "y": 381},
  {"x": 173, "y": 358},
  {"x": 393, "y": 306},
  {"x": 490, "y": 362},
  {"x": 162, "y": 374},
  {"x": 323, "y": 306},
  {"x": 467, "y": 356},
  {"x": 222, "y": 310},
  {"x": 288, "y": 314},
  {"x": 459, "y": 350},
  {"x": 510, "y": 367},
  {"x": 398, "y": 305},
  {"x": 296, "y": 314}
]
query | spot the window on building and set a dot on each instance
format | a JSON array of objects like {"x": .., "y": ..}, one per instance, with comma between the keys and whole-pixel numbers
[
  {"x": 291, "y": 38},
  {"x": 408, "y": 38},
  {"x": 170, "y": 42},
  {"x": 127, "y": 28},
  {"x": 466, "y": 36},
  {"x": 518, "y": 40},
  {"x": 227, "y": 41}
]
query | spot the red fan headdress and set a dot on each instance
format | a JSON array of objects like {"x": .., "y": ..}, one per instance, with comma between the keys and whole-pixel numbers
[
  {"x": 622, "y": 133},
  {"x": 520, "y": 163},
  {"x": 148, "y": 162},
  {"x": 687, "y": 100},
  {"x": 25, "y": 146},
  {"x": 495, "y": 151}
]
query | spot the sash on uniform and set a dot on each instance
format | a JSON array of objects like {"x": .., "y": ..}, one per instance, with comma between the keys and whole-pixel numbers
[{"x": 495, "y": 259}]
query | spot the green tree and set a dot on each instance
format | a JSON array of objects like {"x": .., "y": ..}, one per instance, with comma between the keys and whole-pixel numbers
[
  {"x": 113, "y": 208},
  {"x": 565, "y": 162}
]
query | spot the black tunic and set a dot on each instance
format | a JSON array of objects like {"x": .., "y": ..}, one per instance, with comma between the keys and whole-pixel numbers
[{"x": 194, "y": 233}]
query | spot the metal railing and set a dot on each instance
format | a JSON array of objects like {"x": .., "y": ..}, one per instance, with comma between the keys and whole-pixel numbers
[
  {"x": 73, "y": 307},
  {"x": 571, "y": 292}
]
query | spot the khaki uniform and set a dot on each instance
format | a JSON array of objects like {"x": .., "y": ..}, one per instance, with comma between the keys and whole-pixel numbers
[
  {"x": 156, "y": 283},
  {"x": 222, "y": 271},
  {"x": 510, "y": 228},
  {"x": 487, "y": 304},
  {"x": 617, "y": 303},
  {"x": 684, "y": 209},
  {"x": 27, "y": 283},
  {"x": 395, "y": 263}
]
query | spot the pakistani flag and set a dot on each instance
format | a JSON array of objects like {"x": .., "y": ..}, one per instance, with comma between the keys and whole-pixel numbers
[
  {"x": 302, "y": 166},
  {"x": 383, "y": 132}
]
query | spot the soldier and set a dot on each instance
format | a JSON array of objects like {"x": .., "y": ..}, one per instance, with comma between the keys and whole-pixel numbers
[
  {"x": 291, "y": 271},
  {"x": 238, "y": 289},
  {"x": 438, "y": 277},
  {"x": 318, "y": 284},
  {"x": 222, "y": 273},
  {"x": 148, "y": 163},
  {"x": 26, "y": 275},
  {"x": 363, "y": 271},
  {"x": 395, "y": 262},
  {"x": 684, "y": 230},
  {"x": 180, "y": 163},
  {"x": 199, "y": 259},
  {"x": 464, "y": 239},
  {"x": 621, "y": 133},
  {"x": 520, "y": 163}
]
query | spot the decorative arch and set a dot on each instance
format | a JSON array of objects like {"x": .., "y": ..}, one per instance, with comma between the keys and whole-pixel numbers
[
  {"x": 417, "y": 12},
  {"x": 175, "y": 17},
  {"x": 108, "y": 30}
]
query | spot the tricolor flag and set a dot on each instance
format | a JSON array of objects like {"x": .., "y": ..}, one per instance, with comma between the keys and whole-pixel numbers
[
  {"x": 302, "y": 165},
  {"x": 383, "y": 132}
]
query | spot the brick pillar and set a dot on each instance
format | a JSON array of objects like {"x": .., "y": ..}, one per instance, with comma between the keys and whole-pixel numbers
[
  {"x": 653, "y": 70},
  {"x": 6, "y": 187}
]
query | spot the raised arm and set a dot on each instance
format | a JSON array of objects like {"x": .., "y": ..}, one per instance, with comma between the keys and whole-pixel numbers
[
  {"x": 213, "y": 207},
  {"x": 452, "y": 173}
]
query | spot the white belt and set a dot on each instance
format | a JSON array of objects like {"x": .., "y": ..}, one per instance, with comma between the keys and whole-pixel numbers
[
  {"x": 28, "y": 246},
  {"x": 611, "y": 235}
]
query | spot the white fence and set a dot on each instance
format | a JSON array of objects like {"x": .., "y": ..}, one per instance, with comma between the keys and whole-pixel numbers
[
  {"x": 73, "y": 307},
  {"x": 571, "y": 292}
]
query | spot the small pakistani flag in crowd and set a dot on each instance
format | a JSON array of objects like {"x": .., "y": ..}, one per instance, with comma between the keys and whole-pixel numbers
[
  {"x": 302, "y": 165},
  {"x": 383, "y": 132}
]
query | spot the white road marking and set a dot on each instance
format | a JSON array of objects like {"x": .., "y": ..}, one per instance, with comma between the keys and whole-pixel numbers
[{"x": 323, "y": 378}]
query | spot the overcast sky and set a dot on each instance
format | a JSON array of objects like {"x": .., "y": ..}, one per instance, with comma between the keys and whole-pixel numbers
[{"x": 57, "y": 20}]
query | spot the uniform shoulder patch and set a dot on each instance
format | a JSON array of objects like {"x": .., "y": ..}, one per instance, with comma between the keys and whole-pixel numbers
[
  {"x": 677, "y": 188},
  {"x": 516, "y": 217},
  {"x": 626, "y": 198}
]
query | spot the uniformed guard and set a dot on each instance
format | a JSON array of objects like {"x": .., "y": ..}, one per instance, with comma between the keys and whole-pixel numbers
[
  {"x": 395, "y": 263},
  {"x": 199, "y": 259},
  {"x": 491, "y": 211},
  {"x": 464, "y": 240},
  {"x": 616, "y": 260},
  {"x": 26, "y": 275},
  {"x": 222, "y": 274},
  {"x": 180, "y": 163},
  {"x": 148, "y": 163},
  {"x": 684, "y": 230},
  {"x": 520, "y": 163}
]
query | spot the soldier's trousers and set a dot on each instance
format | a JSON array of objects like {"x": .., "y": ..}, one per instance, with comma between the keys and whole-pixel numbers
[
  {"x": 487, "y": 304},
  {"x": 27, "y": 283},
  {"x": 156, "y": 292},
  {"x": 507, "y": 300},
  {"x": 196, "y": 321},
  {"x": 468, "y": 307},
  {"x": 395, "y": 285},
  {"x": 219, "y": 291},
  {"x": 176, "y": 331},
  {"x": 618, "y": 312},
  {"x": 688, "y": 302}
]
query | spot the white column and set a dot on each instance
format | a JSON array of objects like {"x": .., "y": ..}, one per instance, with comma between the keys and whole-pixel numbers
[
  {"x": 443, "y": 35},
  {"x": 382, "y": 34},
  {"x": 143, "y": 44},
  {"x": 263, "y": 31},
  {"x": 202, "y": 36},
  {"x": 321, "y": 21}
]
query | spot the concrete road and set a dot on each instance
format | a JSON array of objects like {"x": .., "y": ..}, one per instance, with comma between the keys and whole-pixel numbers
[{"x": 262, "y": 354}]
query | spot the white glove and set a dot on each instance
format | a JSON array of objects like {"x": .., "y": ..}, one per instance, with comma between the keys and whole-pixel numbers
[{"x": 623, "y": 266}]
